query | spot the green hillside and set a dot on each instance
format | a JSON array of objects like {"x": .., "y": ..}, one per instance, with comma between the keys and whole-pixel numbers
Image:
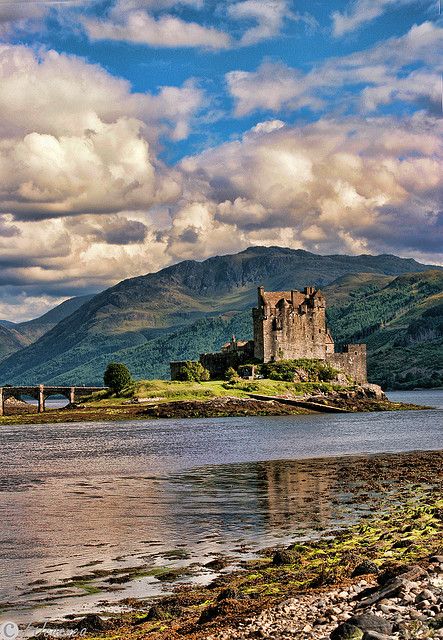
[
  {"x": 34, "y": 329},
  {"x": 22, "y": 334},
  {"x": 402, "y": 325},
  {"x": 193, "y": 307},
  {"x": 10, "y": 340}
]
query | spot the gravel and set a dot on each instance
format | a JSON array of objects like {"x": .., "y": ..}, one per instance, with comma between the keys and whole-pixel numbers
[{"x": 409, "y": 605}]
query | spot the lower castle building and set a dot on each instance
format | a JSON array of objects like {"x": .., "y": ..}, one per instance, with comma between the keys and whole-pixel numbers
[{"x": 288, "y": 325}]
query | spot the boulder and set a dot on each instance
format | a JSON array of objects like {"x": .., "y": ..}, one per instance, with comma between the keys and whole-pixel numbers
[
  {"x": 91, "y": 623},
  {"x": 371, "y": 622},
  {"x": 374, "y": 391},
  {"x": 229, "y": 592},
  {"x": 364, "y": 568},
  {"x": 346, "y": 631},
  {"x": 281, "y": 557}
]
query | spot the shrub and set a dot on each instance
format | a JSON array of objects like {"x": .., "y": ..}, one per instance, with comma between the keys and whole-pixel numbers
[
  {"x": 117, "y": 376},
  {"x": 231, "y": 375},
  {"x": 193, "y": 372},
  {"x": 287, "y": 370}
]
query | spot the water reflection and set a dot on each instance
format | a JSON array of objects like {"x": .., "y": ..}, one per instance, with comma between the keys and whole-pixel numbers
[
  {"x": 60, "y": 529},
  {"x": 75, "y": 498}
]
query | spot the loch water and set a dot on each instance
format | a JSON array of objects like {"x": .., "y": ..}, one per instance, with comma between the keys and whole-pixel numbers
[{"x": 165, "y": 493}]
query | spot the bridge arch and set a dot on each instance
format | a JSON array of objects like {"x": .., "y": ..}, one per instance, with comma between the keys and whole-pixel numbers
[{"x": 41, "y": 393}]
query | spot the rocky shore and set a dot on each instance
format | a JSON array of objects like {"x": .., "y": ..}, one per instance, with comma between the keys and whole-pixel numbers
[
  {"x": 366, "y": 398},
  {"x": 377, "y": 580},
  {"x": 403, "y": 602}
]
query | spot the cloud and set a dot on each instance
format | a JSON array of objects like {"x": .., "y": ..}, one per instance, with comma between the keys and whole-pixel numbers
[
  {"x": 165, "y": 31},
  {"x": 69, "y": 96},
  {"x": 145, "y": 22},
  {"x": 330, "y": 186},
  {"x": 362, "y": 12},
  {"x": 383, "y": 72},
  {"x": 334, "y": 186},
  {"x": 114, "y": 230},
  {"x": 268, "y": 16},
  {"x": 272, "y": 87},
  {"x": 74, "y": 139},
  {"x": 27, "y": 16}
]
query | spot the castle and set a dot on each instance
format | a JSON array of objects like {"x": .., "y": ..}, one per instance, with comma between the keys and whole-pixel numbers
[{"x": 288, "y": 325}]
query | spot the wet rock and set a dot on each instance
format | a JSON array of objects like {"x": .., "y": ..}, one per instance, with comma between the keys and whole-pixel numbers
[
  {"x": 437, "y": 622},
  {"x": 91, "y": 623},
  {"x": 390, "y": 590},
  {"x": 436, "y": 559},
  {"x": 229, "y": 592},
  {"x": 214, "y": 611},
  {"x": 217, "y": 564},
  {"x": 364, "y": 568},
  {"x": 282, "y": 557},
  {"x": 371, "y": 622},
  {"x": 408, "y": 572},
  {"x": 157, "y": 612},
  {"x": 346, "y": 631}
]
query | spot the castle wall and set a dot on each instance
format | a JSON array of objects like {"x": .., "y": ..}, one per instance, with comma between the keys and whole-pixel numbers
[
  {"x": 352, "y": 362},
  {"x": 288, "y": 325},
  {"x": 218, "y": 363}
]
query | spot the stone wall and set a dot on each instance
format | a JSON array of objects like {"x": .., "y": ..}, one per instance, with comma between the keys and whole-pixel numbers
[
  {"x": 218, "y": 363},
  {"x": 351, "y": 361}
]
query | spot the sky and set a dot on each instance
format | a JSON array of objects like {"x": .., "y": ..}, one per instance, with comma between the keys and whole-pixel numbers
[{"x": 138, "y": 133}]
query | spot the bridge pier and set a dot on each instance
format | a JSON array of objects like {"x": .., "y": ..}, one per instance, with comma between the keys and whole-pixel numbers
[
  {"x": 41, "y": 392},
  {"x": 41, "y": 398}
]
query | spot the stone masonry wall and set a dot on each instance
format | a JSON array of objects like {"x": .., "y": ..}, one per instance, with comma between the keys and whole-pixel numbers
[{"x": 352, "y": 362}]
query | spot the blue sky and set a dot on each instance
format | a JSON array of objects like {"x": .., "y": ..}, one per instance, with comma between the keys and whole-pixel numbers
[{"x": 136, "y": 133}]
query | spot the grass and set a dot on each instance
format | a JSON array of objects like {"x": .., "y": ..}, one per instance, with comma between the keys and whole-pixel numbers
[{"x": 171, "y": 390}]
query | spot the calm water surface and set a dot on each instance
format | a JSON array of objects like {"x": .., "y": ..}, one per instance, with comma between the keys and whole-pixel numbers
[{"x": 78, "y": 497}]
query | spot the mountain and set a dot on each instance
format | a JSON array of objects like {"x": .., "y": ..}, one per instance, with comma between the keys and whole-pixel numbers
[
  {"x": 34, "y": 329},
  {"x": 401, "y": 320},
  {"x": 24, "y": 333},
  {"x": 402, "y": 325},
  {"x": 10, "y": 340},
  {"x": 187, "y": 308}
]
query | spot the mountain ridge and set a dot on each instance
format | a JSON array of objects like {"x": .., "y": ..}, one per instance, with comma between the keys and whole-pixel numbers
[{"x": 146, "y": 308}]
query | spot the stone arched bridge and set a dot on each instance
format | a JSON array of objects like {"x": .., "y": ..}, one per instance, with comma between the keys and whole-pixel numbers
[{"x": 41, "y": 393}]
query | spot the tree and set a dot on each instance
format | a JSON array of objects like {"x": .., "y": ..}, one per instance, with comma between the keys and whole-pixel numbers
[
  {"x": 117, "y": 376},
  {"x": 193, "y": 372}
]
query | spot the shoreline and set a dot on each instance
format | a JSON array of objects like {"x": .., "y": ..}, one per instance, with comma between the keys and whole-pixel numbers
[
  {"x": 257, "y": 594},
  {"x": 219, "y": 407}
]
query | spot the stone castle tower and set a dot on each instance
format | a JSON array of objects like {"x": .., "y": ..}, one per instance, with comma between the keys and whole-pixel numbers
[{"x": 290, "y": 325}]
